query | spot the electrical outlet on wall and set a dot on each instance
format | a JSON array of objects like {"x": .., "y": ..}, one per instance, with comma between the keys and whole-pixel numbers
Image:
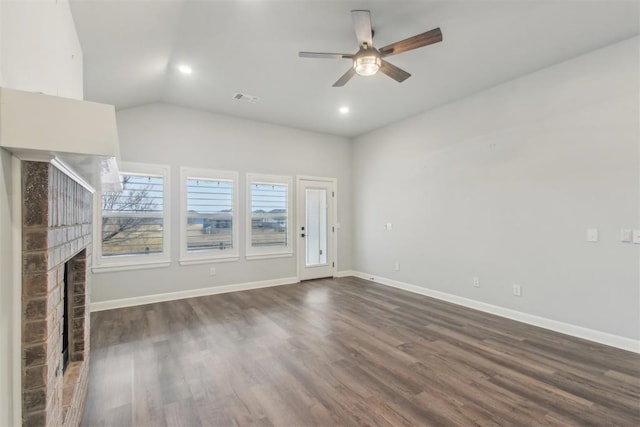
[
  {"x": 212, "y": 271},
  {"x": 396, "y": 267},
  {"x": 517, "y": 290},
  {"x": 476, "y": 282}
]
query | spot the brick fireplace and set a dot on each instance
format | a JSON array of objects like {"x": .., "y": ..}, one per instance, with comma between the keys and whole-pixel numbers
[{"x": 56, "y": 247}]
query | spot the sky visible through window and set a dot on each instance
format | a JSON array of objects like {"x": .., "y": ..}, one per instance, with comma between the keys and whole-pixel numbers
[
  {"x": 209, "y": 196},
  {"x": 268, "y": 198},
  {"x": 139, "y": 193}
]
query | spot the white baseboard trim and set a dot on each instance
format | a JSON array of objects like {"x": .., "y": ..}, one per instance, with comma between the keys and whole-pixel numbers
[
  {"x": 554, "y": 325},
  {"x": 191, "y": 293},
  {"x": 345, "y": 273}
]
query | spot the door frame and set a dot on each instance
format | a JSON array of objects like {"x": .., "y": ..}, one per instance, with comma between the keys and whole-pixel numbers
[{"x": 333, "y": 215}]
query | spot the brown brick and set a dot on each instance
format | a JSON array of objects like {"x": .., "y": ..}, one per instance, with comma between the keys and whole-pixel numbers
[
  {"x": 78, "y": 347},
  {"x": 35, "y": 377},
  {"x": 35, "y": 179},
  {"x": 78, "y": 324},
  {"x": 78, "y": 311},
  {"x": 78, "y": 336},
  {"x": 79, "y": 264},
  {"x": 34, "y": 419},
  {"x": 34, "y": 332},
  {"x": 34, "y": 262},
  {"x": 35, "y": 354},
  {"x": 34, "y": 285},
  {"x": 79, "y": 286},
  {"x": 79, "y": 300},
  {"x": 77, "y": 356},
  {"x": 34, "y": 400},
  {"x": 34, "y": 309},
  {"x": 34, "y": 239}
]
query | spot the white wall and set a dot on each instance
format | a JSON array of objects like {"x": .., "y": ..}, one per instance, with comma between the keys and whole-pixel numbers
[
  {"x": 39, "y": 52},
  {"x": 165, "y": 134},
  {"x": 7, "y": 292},
  {"x": 503, "y": 185}
]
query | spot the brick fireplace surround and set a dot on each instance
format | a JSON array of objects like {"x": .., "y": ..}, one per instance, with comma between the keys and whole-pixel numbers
[{"x": 56, "y": 230}]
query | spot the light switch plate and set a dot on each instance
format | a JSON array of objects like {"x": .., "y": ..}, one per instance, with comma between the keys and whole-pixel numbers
[
  {"x": 626, "y": 235},
  {"x": 636, "y": 237},
  {"x": 592, "y": 234}
]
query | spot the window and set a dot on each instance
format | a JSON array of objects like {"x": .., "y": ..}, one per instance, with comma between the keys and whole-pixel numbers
[
  {"x": 209, "y": 231},
  {"x": 269, "y": 213},
  {"x": 133, "y": 224}
]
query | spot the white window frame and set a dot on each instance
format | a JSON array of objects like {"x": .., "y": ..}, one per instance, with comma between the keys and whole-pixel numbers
[
  {"x": 102, "y": 264},
  {"x": 213, "y": 255},
  {"x": 269, "y": 252}
]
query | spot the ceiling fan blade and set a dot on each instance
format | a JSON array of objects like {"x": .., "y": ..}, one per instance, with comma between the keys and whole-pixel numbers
[
  {"x": 362, "y": 25},
  {"x": 420, "y": 40},
  {"x": 394, "y": 72},
  {"x": 324, "y": 55},
  {"x": 345, "y": 77}
]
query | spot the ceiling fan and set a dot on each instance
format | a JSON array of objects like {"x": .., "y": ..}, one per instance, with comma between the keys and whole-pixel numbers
[{"x": 368, "y": 60}]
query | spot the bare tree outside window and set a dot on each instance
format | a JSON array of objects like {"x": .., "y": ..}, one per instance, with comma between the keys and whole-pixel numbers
[{"x": 132, "y": 220}]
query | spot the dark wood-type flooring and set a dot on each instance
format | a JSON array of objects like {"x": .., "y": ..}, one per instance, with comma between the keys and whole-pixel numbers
[{"x": 346, "y": 352}]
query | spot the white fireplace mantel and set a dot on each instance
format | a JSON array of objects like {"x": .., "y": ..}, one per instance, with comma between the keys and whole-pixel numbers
[{"x": 79, "y": 137}]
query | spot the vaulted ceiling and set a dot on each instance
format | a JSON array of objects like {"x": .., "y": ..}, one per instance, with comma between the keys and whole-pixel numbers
[{"x": 132, "y": 49}]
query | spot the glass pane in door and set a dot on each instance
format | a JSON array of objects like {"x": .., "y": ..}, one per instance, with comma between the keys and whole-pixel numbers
[{"x": 316, "y": 226}]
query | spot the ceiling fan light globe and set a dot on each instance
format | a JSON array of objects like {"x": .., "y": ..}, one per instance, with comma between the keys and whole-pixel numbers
[{"x": 367, "y": 65}]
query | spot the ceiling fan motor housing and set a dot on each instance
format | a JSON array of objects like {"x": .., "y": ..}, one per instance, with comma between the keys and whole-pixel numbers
[{"x": 367, "y": 61}]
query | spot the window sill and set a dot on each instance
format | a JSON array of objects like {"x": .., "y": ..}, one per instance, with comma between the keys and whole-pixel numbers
[
  {"x": 211, "y": 260},
  {"x": 269, "y": 255},
  {"x": 108, "y": 268}
]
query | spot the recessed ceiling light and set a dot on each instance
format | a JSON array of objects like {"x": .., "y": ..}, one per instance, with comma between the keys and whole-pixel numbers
[
  {"x": 344, "y": 110},
  {"x": 185, "y": 69}
]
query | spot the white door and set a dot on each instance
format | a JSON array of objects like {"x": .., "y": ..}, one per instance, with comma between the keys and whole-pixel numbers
[{"x": 316, "y": 229}]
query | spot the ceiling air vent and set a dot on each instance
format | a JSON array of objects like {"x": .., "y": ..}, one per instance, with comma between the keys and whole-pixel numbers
[{"x": 244, "y": 97}]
